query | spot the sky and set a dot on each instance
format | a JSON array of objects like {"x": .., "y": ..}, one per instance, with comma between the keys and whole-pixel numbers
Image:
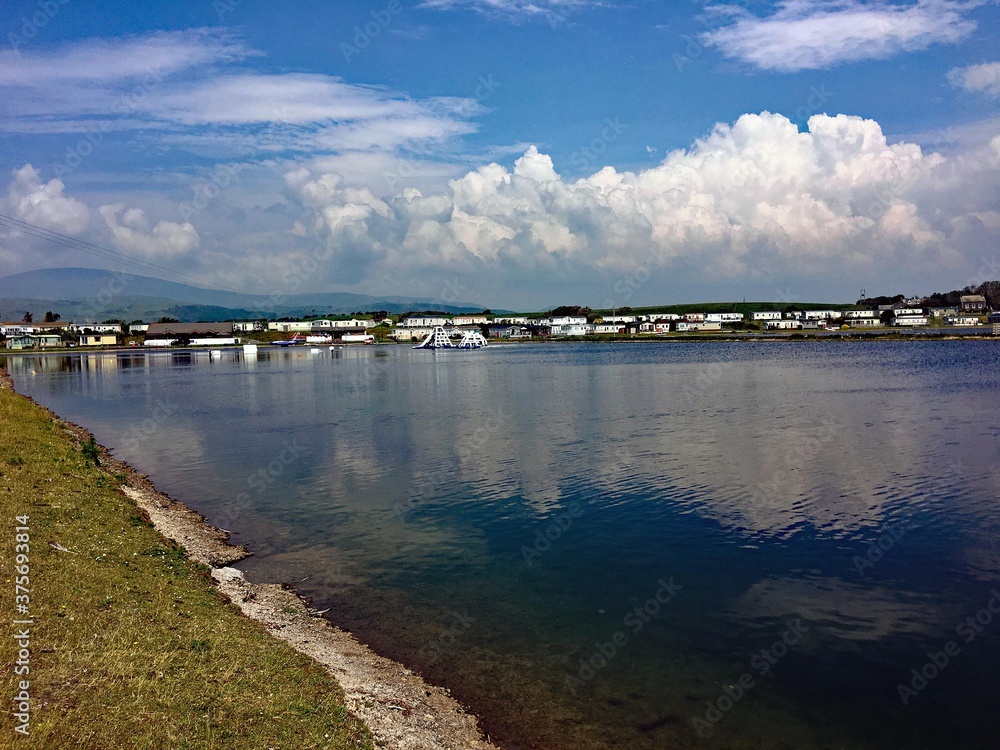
[{"x": 518, "y": 154}]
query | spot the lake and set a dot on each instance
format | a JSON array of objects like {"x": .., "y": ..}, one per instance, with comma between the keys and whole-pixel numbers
[{"x": 718, "y": 545}]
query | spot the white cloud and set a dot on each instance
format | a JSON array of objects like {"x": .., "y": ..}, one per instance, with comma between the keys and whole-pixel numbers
[
  {"x": 816, "y": 34},
  {"x": 555, "y": 11},
  {"x": 985, "y": 78},
  {"x": 132, "y": 232},
  {"x": 750, "y": 199},
  {"x": 45, "y": 204},
  {"x": 183, "y": 91},
  {"x": 100, "y": 61}
]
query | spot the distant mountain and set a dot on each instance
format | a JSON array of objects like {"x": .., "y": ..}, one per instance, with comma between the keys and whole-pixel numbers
[{"x": 77, "y": 293}]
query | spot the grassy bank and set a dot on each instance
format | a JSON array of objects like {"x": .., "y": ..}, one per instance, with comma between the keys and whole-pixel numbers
[{"x": 130, "y": 645}]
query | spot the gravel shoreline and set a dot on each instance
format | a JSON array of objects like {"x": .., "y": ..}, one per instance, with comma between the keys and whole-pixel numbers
[{"x": 402, "y": 710}]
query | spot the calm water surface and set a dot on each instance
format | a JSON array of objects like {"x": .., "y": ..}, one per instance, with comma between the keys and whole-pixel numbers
[{"x": 609, "y": 546}]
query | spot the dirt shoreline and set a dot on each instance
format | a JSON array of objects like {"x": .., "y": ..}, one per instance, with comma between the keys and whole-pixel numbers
[{"x": 402, "y": 710}]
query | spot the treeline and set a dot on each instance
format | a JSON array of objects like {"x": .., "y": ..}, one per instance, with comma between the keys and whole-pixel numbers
[{"x": 989, "y": 289}]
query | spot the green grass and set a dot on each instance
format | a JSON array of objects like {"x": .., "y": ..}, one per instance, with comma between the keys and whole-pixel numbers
[{"x": 131, "y": 645}]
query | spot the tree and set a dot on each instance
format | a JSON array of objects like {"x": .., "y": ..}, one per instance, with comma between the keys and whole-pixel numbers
[
  {"x": 167, "y": 319},
  {"x": 51, "y": 317},
  {"x": 28, "y": 318}
]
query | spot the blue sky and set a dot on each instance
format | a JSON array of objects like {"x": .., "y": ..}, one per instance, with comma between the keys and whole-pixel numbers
[{"x": 513, "y": 153}]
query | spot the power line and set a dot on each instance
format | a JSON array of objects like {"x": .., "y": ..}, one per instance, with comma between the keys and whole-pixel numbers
[{"x": 103, "y": 252}]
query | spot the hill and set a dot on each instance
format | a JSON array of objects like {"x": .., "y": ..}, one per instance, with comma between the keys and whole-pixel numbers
[{"x": 79, "y": 293}]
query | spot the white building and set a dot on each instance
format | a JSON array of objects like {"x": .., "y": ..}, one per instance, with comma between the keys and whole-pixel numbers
[
  {"x": 690, "y": 326},
  {"x": 571, "y": 329},
  {"x": 624, "y": 319},
  {"x": 18, "y": 329},
  {"x": 290, "y": 326},
  {"x": 864, "y": 322},
  {"x": 942, "y": 312},
  {"x": 909, "y": 320},
  {"x": 96, "y": 327},
  {"x": 821, "y": 315},
  {"x": 243, "y": 326},
  {"x": 765, "y": 315},
  {"x": 724, "y": 317},
  {"x": 470, "y": 320},
  {"x": 402, "y": 333},
  {"x": 516, "y": 321},
  {"x": 606, "y": 328},
  {"x": 962, "y": 320},
  {"x": 414, "y": 321},
  {"x": 782, "y": 325},
  {"x": 859, "y": 314},
  {"x": 694, "y": 317}
]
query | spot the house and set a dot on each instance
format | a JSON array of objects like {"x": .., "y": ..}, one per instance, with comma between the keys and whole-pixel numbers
[
  {"x": 901, "y": 309},
  {"x": 821, "y": 315},
  {"x": 95, "y": 327},
  {"x": 909, "y": 320},
  {"x": 509, "y": 332},
  {"x": 684, "y": 326},
  {"x": 724, "y": 317},
  {"x": 942, "y": 312},
  {"x": 782, "y": 325},
  {"x": 34, "y": 341},
  {"x": 195, "y": 334},
  {"x": 765, "y": 315},
  {"x": 624, "y": 319},
  {"x": 243, "y": 326},
  {"x": 571, "y": 329},
  {"x": 21, "y": 341},
  {"x": 973, "y": 303},
  {"x": 517, "y": 321},
  {"x": 860, "y": 315},
  {"x": 402, "y": 333},
  {"x": 290, "y": 326},
  {"x": 134, "y": 328},
  {"x": 694, "y": 317},
  {"x": 608, "y": 328},
  {"x": 98, "y": 339},
  {"x": 416, "y": 321},
  {"x": 962, "y": 320},
  {"x": 871, "y": 322},
  {"x": 18, "y": 329},
  {"x": 470, "y": 320}
]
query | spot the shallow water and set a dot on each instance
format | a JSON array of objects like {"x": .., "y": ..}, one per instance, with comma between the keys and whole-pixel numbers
[{"x": 799, "y": 525}]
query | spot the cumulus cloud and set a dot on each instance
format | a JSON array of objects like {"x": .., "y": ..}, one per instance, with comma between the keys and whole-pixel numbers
[
  {"x": 132, "y": 232},
  {"x": 816, "y": 34},
  {"x": 45, "y": 204},
  {"x": 984, "y": 78},
  {"x": 749, "y": 198}
]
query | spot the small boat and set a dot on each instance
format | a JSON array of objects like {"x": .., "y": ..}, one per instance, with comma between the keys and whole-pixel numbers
[{"x": 295, "y": 340}]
